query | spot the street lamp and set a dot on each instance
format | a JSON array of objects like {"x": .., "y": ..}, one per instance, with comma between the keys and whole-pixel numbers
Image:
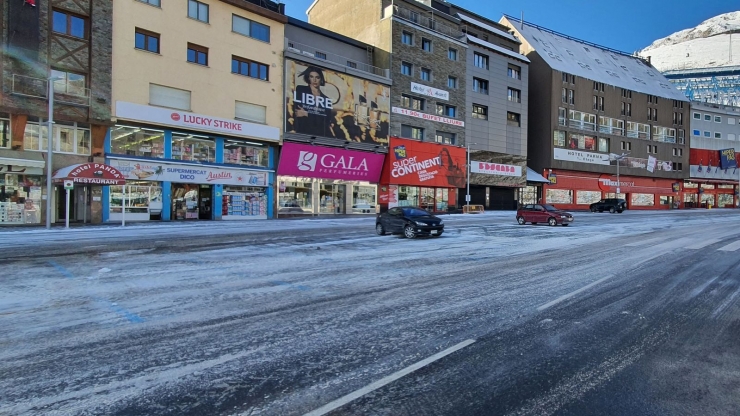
[
  {"x": 50, "y": 133},
  {"x": 617, "y": 158},
  {"x": 467, "y": 196}
]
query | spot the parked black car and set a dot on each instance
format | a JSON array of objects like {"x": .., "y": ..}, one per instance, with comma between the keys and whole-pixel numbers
[
  {"x": 409, "y": 221},
  {"x": 610, "y": 204}
]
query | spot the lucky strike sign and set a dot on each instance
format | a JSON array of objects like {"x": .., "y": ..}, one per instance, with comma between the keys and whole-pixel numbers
[
  {"x": 425, "y": 164},
  {"x": 329, "y": 163}
]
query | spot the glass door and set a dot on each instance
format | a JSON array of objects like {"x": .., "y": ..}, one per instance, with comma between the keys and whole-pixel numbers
[
  {"x": 426, "y": 200},
  {"x": 443, "y": 196},
  {"x": 332, "y": 197}
]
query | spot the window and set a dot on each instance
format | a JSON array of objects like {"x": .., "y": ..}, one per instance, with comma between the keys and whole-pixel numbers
[
  {"x": 69, "y": 24},
  {"x": 629, "y": 110},
  {"x": 681, "y": 136},
  {"x": 480, "y": 60},
  {"x": 193, "y": 147},
  {"x": 677, "y": 152},
  {"x": 626, "y": 146},
  {"x": 514, "y": 72},
  {"x": 707, "y": 134},
  {"x": 596, "y": 102},
  {"x": 707, "y": 117},
  {"x": 250, "y": 28},
  {"x": 601, "y": 103},
  {"x": 697, "y": 116},
  {"x": 239, "y": 153},
  {"x": 565, "y": 77},
  {"x": 446, "y": 110},
  {"x": 559, "y": 138},
  {"x": 717, "y": 135},
  {"x": 565, "y": 95},
  {"x": 717, "y": 119},
  {"x": 4, "y": 132},
  {"x": 137, "y": 141},
  {"x": 444, "y": 137},
  {"x": 452, "y": 54},
  {"x": 562, "y": 116},
  {"x": 513, "y": 119},
  {"x": 426, "y": 44},
  {"x": 451, "y": 82},
  {"x": 198, "y": 10},
  {"x": 655, "y": 113},
  {"x": 407, "y": 38},
  {"x": 653, "y": 149},
  {"x": 579, "y": 141},
  {"x": 480, "y": 85},
  {"x": 162, "y": 96},
  {"x": 603, "y": 144},
  {"x": 412, "y": 102},
  {"x": 515, "y": 95},
  {"x": 412, "y": 132},
  {"x": 319, "y": 55},
  {"x": 638, "y": 130},
  {"x": 407, "y": 68},
  {"x": 250, "y": 112},
  {"x": 730, "y": 136},
  {"x": 480, "y": 111},
  {"x": 581, "y": 120},
  {"x": 611, "y": 125},
  {"x": 696, "y": 133},
  {"x": 571, "y": 97},
  {"x": 351, "y": 64},
  {"x": 249, "y": 68},
  {"x": 69, "y": 83},
  {"x": 146, "y": 40},
  {"x": 730, "y": 120},
  {"x": 677, "y": 166},
  {"x": 426, "y": 74},
  {"x": 197, "y": 54},
  {"x": 626, "y": 93},
  {"x": 152, "y": 2},
  {"x": 73, "y": 138}
]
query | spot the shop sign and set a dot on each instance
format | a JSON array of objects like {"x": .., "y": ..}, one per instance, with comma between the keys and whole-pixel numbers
[
  {"x": 20, "y": 170},
  {"x": 495, "y": 169},
  {"x": 411, "y": 162},
  {"x": 607, "y": 183},
  {"x": 141, "y": 170},
  {"x": 329, "y": 163},
  {"x": 339, "y": 106},
  {"x": 90, "y": 173},
  {"x": 727, "y": 159},
  {"x": 676, "y": 186},
  {"x": 164, "y": 116},
  {"x": 430, "y": 117},
  {"x": 581, "y": 156},
  {"x": 430, "y": 92},
  {"x": 553, "y": 178}
]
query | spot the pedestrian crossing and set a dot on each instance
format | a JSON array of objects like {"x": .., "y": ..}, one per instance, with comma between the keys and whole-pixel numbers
[{"x": 725, "y": 243}]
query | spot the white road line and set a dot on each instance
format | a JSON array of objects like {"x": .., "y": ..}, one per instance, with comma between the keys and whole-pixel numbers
[
  {"x": 571, "y": 294},
  {"x": 731, "y": 247},
  {"x": 704, "y": 244},
  {"x": 644, "y": 242},
  {"x": 386, "y": 380}
]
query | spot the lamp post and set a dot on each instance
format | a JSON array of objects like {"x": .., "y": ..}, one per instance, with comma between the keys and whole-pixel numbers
[
  {"x": 49, "y": 144},
  {"x": 467, "y": 195},
  {"x": 617, "y": 158}
]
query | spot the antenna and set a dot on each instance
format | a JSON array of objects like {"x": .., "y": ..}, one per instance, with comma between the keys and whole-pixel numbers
[{"x": 521, "y": 21}]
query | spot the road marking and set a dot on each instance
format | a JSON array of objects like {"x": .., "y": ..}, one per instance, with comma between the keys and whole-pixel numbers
[
  {"x": 571, "y": 294},
  {"x": 704, "y": 244},
  {"x": 731, "y": 247},
  {"x": 386, "y": 380},
  {"x": 644, "y": 242}
]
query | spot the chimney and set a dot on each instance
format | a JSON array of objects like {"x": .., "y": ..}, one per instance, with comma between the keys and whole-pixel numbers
[{"x": 281, "y": 8}]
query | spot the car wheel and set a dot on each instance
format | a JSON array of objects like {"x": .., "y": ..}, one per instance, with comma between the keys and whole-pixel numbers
[
  {"x": 593, "y": 210},
  {"x": 379, "y": 229},
  {"x": 521, "y": 220},
  {"x": 408, "y": 232},
  {"x": 552, "y": 221},
  {"x": 612, "y": 210}
]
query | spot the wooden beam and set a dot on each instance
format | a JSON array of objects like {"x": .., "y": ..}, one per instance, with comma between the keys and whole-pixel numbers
[{"x": 18, "y": 131}]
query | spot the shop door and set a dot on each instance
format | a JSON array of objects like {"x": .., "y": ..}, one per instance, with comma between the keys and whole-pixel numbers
[
  {"x": 185, "y": 201},
  {"x": 82, "y": 204},
  {"x": 426, "y": 199},
  {"x": 61, "y": 197},
  {"x": 205, "y": 202},
  {"x": 502, "y": 199},
  {"x": 443, "y": 198},
  {"x": 332, "y": 199}
]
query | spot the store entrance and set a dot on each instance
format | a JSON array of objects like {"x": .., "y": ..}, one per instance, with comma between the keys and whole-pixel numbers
[
  {"x": 76, "y": 196},
  {"x": 192, "y": 202},
  {"x": 205, "y": 202},
  {"x": 332, "y": 199}
]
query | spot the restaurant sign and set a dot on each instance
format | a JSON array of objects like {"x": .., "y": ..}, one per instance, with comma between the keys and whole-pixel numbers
[
  {"x": 489, "y": 168},
  {"x": 581, "y": 156},
  {"x": 429, "y": 91},
  {"x": 430, "y": 117},
  {"x": 91, "y": 174}
]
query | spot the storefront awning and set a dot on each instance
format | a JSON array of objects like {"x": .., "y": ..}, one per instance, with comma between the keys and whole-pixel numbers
[
  {"x": 533, "y": 176},
  {"x": 90, "y": 173},
  {"x": 25, "y": 159}
]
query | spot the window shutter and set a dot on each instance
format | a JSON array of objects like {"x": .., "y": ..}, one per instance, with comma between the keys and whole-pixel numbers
[
  {"x": 251, "y": 112},
  {"x": 169, "y": 97}
]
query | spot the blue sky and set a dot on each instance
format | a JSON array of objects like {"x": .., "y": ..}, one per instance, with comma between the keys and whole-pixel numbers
[{"x": 626, "y": 25}]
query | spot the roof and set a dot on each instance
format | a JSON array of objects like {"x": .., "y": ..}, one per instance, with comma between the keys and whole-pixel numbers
[
  {"x": 328, "y": 33},
  {"x": 597, "y": 63},
  {"x": 488, "y": 27},
  {"x": 497, "y": 48},
  {"x": 533, "y": 176}
]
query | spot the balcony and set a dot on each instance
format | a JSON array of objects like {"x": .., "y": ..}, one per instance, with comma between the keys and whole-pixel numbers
[
  {"x": 427, "y": 22},
  {"x": 664, "y": 138},
  {"x": 582, "y": 125},
  {"x": 635, "y": 134},
  {"x": 69, "y": 93},
  {"x": 320, "y": 54},
  {"x": 611, "y": 130}
]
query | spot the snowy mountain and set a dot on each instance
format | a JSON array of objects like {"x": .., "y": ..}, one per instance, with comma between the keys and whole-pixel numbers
[{"x": 713, "y": 43}]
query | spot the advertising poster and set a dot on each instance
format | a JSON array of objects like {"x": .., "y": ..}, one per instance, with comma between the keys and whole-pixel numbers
[
  {"x": 324, "y": 103},
  {"x": 202, "y": 174},
  {"x": 727, "y": 159},
  {"x": 329, "y": 163},
  {"x": 411, "y": 162}
]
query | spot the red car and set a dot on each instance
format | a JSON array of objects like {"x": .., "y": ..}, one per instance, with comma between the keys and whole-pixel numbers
[{"x": 535, "y": 213}]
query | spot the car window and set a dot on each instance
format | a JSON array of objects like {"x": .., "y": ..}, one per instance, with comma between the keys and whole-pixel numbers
[
  {"x": 394, "y": 211},
  {"x": 414, "y": 212},
  {"x": 549, "y": 208},
  {"x": 529, "y": 207},
  {"x": 538, "y": 207}
]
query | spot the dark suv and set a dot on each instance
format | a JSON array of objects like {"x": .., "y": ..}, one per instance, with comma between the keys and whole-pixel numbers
[{"x": 610, "y": 204}]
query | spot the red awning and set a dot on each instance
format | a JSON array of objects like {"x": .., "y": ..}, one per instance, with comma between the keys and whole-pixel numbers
[{"x": 91, "y": 174}]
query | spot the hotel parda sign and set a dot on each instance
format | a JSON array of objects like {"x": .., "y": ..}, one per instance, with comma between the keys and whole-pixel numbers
[
  {"x": 571, "y": 155},
  {"x": 430, "y": 92},
  {"x": 430, "y": 117}
]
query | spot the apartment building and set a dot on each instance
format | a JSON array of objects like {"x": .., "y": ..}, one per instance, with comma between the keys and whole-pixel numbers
[
  {"x": 197, "y": 104},
  {"x": 591, "y": 108},
  {"x": 714, "y": 176},
  {"x": 66, "y": 43}
]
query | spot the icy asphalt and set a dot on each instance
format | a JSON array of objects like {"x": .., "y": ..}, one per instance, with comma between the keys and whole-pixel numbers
[{"x": 618, "y": 314}]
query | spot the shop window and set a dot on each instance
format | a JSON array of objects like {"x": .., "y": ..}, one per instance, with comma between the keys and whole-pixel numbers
[
  {"x": 4, "y": 133},
  {"x": 587, "y": 197},
  {"x": 295, "y": 197},
  {"x": 241, "y": 201},
  {"x": 238, "y": 153},
  {"x": 559, "y": 196},
  {"x": 724, "y": 200},
  {"x": 193, "y": 148},
  {"x": 364, "y": 199},
  {"x": 136, "y": 141},
  {"x": 71, "y": 138},
  {"x": 143, "y": 200},
  {"x": 580, "y": 141},
  {"x": 408, "y": 196},
  {"x": 642, "y": 200},
  {"x": 20, "y": 199}
]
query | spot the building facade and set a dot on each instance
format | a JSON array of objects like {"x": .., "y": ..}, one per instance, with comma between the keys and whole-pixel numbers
[
  {"x": 197, "y": 109},
  {"x": 337, "y": 123},
  {"x": 591, "y": 108},
  {"x": 67, "y": 43},
  {"x": 714, "y": 179}
]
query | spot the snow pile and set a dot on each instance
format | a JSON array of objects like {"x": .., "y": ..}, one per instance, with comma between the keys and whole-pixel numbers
[{"x": 706, "y": 45}]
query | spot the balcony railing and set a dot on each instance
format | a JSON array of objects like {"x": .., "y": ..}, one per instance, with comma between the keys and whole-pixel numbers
[
  {"x": 64, "y": 92},
  {"x": 582, "y": 125},
  {"x": 427, "y": 22},
  {"x": 313, "y": 52},
  {"x": 611, "y": 130},
  {"x": 562, "y": 121},
  {"x": 664, "y": 138}
]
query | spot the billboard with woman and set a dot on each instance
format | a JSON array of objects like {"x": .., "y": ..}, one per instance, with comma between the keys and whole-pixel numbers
[{"x": 325, "y": 103}]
